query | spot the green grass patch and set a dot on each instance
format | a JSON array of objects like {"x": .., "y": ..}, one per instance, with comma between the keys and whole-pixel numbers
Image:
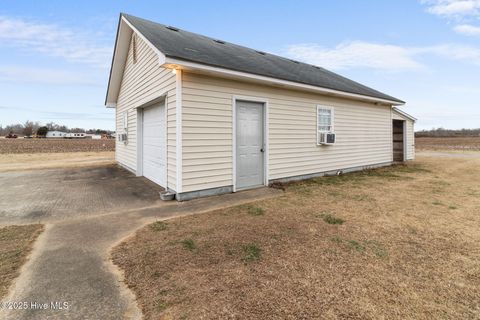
[
  {"x": 252, "y": 252},
  {"x": 361, "y": 246},
  {"x": 360, "y": 176},
  {"x": 377, "y": 248},
  {"x": 189, "y": 244},
  {"x": 331, "y": 219},
  {"x": 437, "y": 203},
  {"x": 158, "y": 226},
  {"x": 452, "y": 207},
  {"x": 412, "y": 230},
  {"x": 362, "y": 197},
  {"x": 354, "y": 244},
  {"x": 255, "y": 210},
  {"x": 161, "y": 305}
]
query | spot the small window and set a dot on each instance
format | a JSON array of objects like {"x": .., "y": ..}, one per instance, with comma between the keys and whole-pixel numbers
[{"x": 324, "y": 119}]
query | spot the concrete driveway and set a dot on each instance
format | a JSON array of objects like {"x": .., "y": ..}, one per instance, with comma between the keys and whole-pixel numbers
[
  {"x": 87, "y": 211},
  {"x": 52, "y": 195}
]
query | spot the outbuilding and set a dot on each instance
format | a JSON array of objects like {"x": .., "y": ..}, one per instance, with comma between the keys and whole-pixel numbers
[
  {"x": 201, "y": 116},
  {"x": 55, "y": 134}
]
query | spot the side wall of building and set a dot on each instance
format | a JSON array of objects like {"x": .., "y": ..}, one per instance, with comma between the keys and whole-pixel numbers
[
  {"x": 364, "y": 132},
  {"x": 144, "y": 80}
]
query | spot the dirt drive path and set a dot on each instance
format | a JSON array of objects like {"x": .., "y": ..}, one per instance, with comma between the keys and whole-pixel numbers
[{"x": 35, "y": 161}]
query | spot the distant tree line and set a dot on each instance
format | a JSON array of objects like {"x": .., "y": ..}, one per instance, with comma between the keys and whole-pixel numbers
[
  {"x": 34, "y": 127},
  {"x": 441, "y": 132}
]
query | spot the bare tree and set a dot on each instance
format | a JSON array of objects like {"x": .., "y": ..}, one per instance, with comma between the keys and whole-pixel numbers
[{"x": 29, "y": 127}]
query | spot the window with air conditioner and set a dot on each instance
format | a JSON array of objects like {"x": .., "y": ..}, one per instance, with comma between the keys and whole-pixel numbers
[{"x": 325, "y": 130}]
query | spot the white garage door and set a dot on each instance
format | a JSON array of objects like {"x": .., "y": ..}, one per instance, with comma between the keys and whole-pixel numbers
[{"x": 154, "y": 143}]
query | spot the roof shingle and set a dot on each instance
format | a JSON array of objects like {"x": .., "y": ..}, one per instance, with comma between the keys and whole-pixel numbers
[{"x": 192, "y": 47}]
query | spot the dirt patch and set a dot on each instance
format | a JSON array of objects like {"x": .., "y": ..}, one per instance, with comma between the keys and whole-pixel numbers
[
  {"x": 16, "y": 242},
  {"x": 448, "y": 143},
  {"x": 8, "y": 146},
  {"x": 408, "y": 247},
  {"x": 30, "y": 161}
]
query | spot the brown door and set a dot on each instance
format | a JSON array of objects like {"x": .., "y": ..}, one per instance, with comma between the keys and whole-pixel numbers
[{"x": 398, "y": 149}]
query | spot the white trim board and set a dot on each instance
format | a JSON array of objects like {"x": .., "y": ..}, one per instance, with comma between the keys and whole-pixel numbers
[
  {"x": 403, "y": 113},
  {"x": 178, "y": 134}
]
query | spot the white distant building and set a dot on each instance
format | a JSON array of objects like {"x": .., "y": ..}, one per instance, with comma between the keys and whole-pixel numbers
[
  {"x": 93, "y": 136},
  {"x": 55, "y": 134},
  {"x": 73, "y": 135}
]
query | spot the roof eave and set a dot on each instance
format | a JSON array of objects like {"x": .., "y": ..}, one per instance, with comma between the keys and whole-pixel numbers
[
  {"x": 403, "y": 113},
  {"x": 173, "y": 62}
]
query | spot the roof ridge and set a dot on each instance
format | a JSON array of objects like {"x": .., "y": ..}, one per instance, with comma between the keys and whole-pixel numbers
[{"x": 231, "y": 57}]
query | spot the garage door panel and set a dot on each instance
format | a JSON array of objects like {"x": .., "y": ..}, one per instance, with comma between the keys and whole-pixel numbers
[{"x": 154, "y": 135}]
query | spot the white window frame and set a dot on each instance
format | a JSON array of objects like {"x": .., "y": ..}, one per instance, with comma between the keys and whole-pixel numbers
[{"x": 332, "y": 121}]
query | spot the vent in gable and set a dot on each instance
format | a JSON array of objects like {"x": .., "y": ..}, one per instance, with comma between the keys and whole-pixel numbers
[{"x": 134, "y": 48}]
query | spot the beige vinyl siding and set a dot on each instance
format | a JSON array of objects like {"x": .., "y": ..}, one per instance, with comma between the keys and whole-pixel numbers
[
  {"x": 143, "y": 81},
  {"x": 410, "y": 134},
  {"x": 363, "y": 132}
]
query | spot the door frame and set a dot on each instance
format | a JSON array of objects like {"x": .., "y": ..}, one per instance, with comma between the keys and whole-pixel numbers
[
  {"x": 404, "y": 139},
  {"x": 161, "y": 98},
  {"x": 260, "y": 100},
  {"x": 404, "y": 128}
]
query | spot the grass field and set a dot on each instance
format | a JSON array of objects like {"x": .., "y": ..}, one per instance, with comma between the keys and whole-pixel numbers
[
  {"x": 9, "y": 146},
  {"x": 16, "y": 242},
  {"x": 393, "y": 243},
  {"x": 448, "y": 143}
]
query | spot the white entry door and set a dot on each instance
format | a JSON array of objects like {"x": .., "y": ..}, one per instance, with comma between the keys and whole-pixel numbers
[
  {"x": 153, "y": 148},
  {"x": 249, "y": 145}
]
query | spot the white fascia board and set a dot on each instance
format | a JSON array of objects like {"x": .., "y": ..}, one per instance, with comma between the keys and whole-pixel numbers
[
  {"x": 119, "y": 59},
  {"x": 403, "y": 113},
  {"x": 161, "y": 56},
  {"x": 187, "y": 65}
]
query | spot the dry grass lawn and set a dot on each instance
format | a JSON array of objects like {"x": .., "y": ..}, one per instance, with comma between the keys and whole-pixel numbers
[
  {"x": 16, "y": 242},
  {"x": 29, "y": 161},
  {"x": 400, "y": 242}
]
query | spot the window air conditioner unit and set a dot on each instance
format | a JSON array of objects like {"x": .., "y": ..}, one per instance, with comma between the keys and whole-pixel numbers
[
  {"x": 122, "y": 137},
  {"x": 326, "y": 138}
]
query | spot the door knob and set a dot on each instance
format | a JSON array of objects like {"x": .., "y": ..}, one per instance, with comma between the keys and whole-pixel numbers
[{"x": 262, "y": 150}]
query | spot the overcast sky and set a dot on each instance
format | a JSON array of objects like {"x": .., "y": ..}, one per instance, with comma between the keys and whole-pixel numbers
[{"x": 55, "y": 55}]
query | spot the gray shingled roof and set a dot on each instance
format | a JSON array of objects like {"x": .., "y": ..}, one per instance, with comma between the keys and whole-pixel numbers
[{"x": 184, "y": 45}]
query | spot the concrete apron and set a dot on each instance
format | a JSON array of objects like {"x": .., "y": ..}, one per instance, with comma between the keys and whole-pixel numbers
[{"x": 71, "y": 262}]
